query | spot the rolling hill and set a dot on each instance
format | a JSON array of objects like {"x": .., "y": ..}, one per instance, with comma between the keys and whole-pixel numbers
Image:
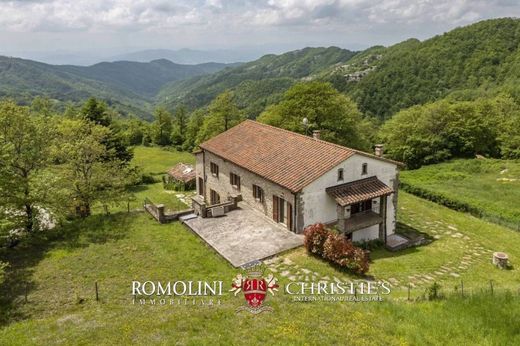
[
  {"x": 257, "y": 83},
  {"x": 128, "y": 86},
  {"x": 482, "y": 59}
]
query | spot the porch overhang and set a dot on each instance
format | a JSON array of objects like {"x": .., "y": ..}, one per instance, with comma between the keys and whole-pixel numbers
[{"x": 358, "y": 191}]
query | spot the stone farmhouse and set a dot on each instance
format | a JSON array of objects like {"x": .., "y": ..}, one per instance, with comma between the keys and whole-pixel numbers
[{"x": 298, "y": 180}]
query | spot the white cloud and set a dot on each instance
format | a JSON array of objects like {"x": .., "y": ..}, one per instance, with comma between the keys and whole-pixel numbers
[
  {"x": 55, "y": 15},
  {"x": 238, "y": 22}
]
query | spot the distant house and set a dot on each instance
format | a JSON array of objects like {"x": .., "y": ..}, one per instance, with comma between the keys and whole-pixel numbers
[
  {"x": 298, "y": 180},
  {"x": 182, "y": 176}
]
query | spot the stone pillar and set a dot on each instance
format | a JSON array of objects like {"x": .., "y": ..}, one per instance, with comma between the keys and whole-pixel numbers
[
  {"x": 160, "y": 212},
  {"x": 341, "y": 217},
  {"x": 382, "y": 213}
]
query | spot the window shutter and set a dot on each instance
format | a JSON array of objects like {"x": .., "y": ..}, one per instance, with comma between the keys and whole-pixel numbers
[
  {"x": 289, "y": 217},
  {"x": 275, "y": 208}
]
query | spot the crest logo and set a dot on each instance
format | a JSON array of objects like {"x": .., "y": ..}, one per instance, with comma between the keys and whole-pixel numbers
[{"x": 255, "y": 289}]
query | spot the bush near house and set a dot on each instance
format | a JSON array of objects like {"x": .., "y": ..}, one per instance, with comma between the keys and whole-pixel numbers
[
  {"x": 335, "y": 248},
  {"x": 315, "y": 237}
]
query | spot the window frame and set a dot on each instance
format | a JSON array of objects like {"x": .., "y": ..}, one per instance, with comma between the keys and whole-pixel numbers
[
  {"x": 341, "y": 175},
  {"x": 214, "y": 169},
  {"x": 364, "y": 168},
  {"x": 258, "y": 193},
  {"x": 234, "y": 180}
]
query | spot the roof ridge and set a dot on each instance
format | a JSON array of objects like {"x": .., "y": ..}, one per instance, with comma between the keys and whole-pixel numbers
[
  {"x": 302, "y": 135},
  {"x": 357, "y": 151}
]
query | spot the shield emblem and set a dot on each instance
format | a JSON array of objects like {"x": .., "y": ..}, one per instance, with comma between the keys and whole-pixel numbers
[{"x": 254, "y": 291}]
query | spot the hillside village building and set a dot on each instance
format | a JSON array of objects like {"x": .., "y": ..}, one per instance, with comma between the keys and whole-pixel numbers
[{"x": 298, "y": 180}]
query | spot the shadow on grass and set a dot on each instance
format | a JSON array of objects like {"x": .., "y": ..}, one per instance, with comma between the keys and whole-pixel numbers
[
  {"x": 414, "y": 235},
  {"x": 22, "y": 259}
]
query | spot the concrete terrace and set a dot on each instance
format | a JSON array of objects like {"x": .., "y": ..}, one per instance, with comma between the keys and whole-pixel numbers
[{"x": 244, "y": 235}]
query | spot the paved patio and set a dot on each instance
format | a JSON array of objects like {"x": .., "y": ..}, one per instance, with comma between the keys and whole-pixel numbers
[{"x": 244, "y": 235}]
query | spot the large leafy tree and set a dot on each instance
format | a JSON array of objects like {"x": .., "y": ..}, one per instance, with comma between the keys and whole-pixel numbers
[
  {"x": 97, "y": 112},
  {"x": 222, "y": 115},
  {"x": 24, "y": 155},
  {"x": 91, "y": 170},
  {"x": 334, "y": 114},
  {"x": 445, "y": 129}
]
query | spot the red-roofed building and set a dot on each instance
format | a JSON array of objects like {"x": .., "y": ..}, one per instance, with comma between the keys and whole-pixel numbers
[{"x": 298, "y": 180}]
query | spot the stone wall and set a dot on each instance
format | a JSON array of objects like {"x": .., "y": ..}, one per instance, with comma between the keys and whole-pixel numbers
[{"x": 223, "y": 187}]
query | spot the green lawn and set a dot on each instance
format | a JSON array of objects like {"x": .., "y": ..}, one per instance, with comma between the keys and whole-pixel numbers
[
  {"x": 490, "y": 187},
  {"x": 60, "y": 272},
  {"x": 154, "y": 161},
  {"x": 461, "y": 249}
]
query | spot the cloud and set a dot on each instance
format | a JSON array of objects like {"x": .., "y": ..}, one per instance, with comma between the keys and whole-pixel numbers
[
  {"x": 56, "y": 15},
  {"x": 224, "y": 23}
]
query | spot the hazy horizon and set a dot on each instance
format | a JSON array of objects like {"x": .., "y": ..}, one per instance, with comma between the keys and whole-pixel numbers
[{"x": 58, "y": 31}]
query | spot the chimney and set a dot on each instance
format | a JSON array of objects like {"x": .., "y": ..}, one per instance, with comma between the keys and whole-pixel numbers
[
  {"x": 316, "y": 134},
  {"x": 378, "y": 150}
]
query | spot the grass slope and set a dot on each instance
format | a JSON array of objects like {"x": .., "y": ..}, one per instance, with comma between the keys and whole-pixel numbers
[
  {"x": 491, "y": 187},
  {"x": 61, "y": 308},
  {"x": 153, "y": 161}
]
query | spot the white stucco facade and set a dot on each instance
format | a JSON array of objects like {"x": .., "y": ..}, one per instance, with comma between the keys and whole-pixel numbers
[{"x": 318, "y": 206}]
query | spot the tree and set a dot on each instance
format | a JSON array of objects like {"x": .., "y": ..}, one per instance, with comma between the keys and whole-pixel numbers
[
  {"x": 222, "y": 115},
  {"x": 92, "y": 172},
  {"x": 162, "y": 127},
  {"x": 180, "y": 122},
  {"x": 24, "y": 155},
  {"x": 96, "y": 112},
  {"x": 325, "y": 109},
  {"x": 445, "y": 129},
  {"x": 195, "y": 122}
]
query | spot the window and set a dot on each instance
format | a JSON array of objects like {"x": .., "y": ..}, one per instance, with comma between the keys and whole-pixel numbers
[
  {"x": 234, "y": 180},
  {"x": 258, "y": 193},
  {"x": 360, "y": 207},
  {"x": 340, "y": 174},
  {"x": 214, "y": 169},
  {"x": 364, "y": 169},
  {"x": 214, "y": 197}
]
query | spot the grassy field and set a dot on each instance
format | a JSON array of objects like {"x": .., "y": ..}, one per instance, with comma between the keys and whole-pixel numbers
[
  {"x": 59, "y": 273},
  {"x": 491, "y": 188},
  {"x": 48, "y": 296},
  {"x": 154, "y": 161}
]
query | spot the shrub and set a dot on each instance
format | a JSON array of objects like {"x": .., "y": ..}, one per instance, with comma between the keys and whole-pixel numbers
[
  {"x": 147, "y": 179},
  {"x": 342, "y": 252},
  {"x": 335, "y": 248},
  {"x": 315, "y": 237}
]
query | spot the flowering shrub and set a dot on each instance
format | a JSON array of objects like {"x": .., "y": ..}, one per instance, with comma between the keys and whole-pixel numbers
[
  {"x": 335, "y": 248},
  {"x": 315, "y": 237}
]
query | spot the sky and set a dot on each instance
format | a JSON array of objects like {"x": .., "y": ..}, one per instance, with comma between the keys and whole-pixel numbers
[{"x": 101, "y": 28}]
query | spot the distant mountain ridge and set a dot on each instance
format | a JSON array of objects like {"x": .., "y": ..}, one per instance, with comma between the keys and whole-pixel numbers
[
  {"x": 130, "y": 86},
  {"x": 257, "y": 83},
  {"x": 189, "y": 56}
]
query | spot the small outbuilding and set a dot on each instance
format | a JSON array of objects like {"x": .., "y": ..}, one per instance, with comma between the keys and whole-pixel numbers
[{"x": 181, "y": 177}]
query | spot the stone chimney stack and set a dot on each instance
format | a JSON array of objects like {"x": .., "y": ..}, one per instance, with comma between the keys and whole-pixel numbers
[
  {"x": 378, "y": 150},
  {"x": 316, "y": 134}
]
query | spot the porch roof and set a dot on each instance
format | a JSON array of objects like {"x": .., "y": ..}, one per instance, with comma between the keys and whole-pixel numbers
[{"x": 359, "y": 190}]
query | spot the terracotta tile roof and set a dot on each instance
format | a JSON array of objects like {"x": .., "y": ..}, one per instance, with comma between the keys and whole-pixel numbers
[
  {"x": 286, "y": 158},
  {"x": 359, "y": 190},
  {"x": 182, "y": 172}
]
